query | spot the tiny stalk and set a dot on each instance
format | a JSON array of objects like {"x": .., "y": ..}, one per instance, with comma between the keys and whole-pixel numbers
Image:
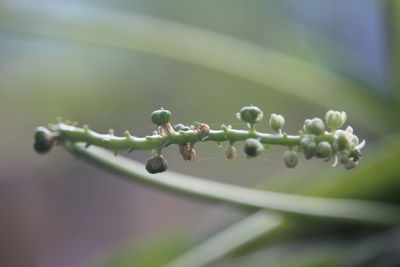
[{"x": 313, "y": 139}]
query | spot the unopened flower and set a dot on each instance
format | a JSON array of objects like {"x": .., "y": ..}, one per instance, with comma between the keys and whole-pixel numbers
[
  {"x": 351, "y": 164},
  {"x": 253, "y": 147},
  {"x": 308, "y": 146},
  {"x": 250, "y": 114},
  {"x": 323, "y": 150},
  {"x": 314, "y": 126},
  {"x": 335, "y": 119},
  {"x": 290, "y": 158},
  {"x": 180, "y": 127},
  {"x": 276, "y": 122}
]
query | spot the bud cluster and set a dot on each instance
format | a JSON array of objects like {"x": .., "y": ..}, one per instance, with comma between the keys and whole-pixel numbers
[{"x": 343, "y": 145}]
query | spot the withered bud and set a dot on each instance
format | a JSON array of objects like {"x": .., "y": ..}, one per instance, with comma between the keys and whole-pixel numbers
[
  {"x": 188, "y": 153},
  {"x": 166, "y": 129},
  {"x": 156, "y": 164},
  {"x": 230, "y": 152},
  {"x": 203, "y": 129}
]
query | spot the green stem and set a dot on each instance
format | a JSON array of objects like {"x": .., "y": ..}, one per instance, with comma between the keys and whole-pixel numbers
[
  {"x": 85, "y": 135},
  {"x": 339, "y": 209},
  {"x": 228, "y": 240}
]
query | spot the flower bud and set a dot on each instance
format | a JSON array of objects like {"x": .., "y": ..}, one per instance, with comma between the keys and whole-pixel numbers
[
  {"x": 180, "y": 127},
  {"x": 253, "y": 147},
  {"x": 190, "y": 155},
  {"x": 314, "y": 126},
  {"x": 187, "y": 152},
  {"x": 250, "y": 114},
  {"x": 308, "y": 146},
  {"x": 351, "y": 164},
  {"x": 342, "y": 140},
  {"x": 343, "y": 158},
  {"x": 230, "y": 152},
  {"x": 202, "y": 130},
  {"x": 290, "y": 158},
  {"x": 355, "y": 154},
  {"x": 44, "y": 140},
  {"x": 161, "y": 116},
  {"x": 335, "y": 119},
  {"x": 156, "y": 165},
  {"x": 323, "y": 150},
  {"x": 276, "y": 122}
]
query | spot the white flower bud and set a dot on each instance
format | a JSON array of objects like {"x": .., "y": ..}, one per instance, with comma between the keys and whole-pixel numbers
[
  {"x": 315, "y": 126},
  {"x": 290, "y": 158},
  {"x": 276, "y": 122},
  {"x": 335, "y": 119}
]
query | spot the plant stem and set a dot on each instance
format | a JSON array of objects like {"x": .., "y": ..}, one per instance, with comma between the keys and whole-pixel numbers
[
  {"x": 129, "y": 142},
  {"x": 229, "y": 239},
  {"x": 339, "y": 209}
]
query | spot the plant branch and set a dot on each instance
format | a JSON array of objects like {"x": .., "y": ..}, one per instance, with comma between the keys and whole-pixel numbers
[{"x": 339, "y": 209}]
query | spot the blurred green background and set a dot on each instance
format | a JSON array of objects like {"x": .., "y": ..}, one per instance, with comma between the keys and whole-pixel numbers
[{"x": 110, "y": 64}]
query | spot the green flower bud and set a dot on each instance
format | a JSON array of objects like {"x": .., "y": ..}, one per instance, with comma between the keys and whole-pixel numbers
[
  {"x": 44, "y": 140},
  {"x": 314, "y": 126},
  {"x": 161, "y": 116},
  {"x": 180, "y": 127},
  {"x": 290, "y": 158},
  {"x": 276, "y": 122},
  {"x": 308, "y": 146},
  {"x": 250, "y": 114},
  {"x": 335, "y": 119},
  {"x": 230, "y": 152},
  {"x": 323, "y": 150},
  {"x": 253, "y": 147},
  {"x": 156, "y": 165}
]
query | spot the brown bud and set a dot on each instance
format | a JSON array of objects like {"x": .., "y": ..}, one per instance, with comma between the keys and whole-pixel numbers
[
  {"x": 166, "y": 129},
  {"x": 230, "y": 152},
  {"x": 188, "y": 153},
  {"x": 203, "y": 129}
]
